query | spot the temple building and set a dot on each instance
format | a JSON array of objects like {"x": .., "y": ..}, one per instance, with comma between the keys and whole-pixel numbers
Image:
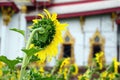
[{"x": 94, "y": 26}]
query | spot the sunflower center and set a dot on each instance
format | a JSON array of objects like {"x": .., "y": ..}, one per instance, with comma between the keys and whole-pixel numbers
[{"x": 42, "y": 40}]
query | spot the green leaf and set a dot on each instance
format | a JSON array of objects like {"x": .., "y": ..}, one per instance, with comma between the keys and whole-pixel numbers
[
  {"x": 11, "y": 63},
  {"x": 18, "y": 30},
  {"x": 31, "y": 51},
  {"x": 111, "y": 68}
]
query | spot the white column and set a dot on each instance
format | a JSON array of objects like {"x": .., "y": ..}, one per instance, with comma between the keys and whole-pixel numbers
[
  {"x": 3, "y": 39},
  {"x": 6, "y": 18},
  {"x": 22, "y": 27}
]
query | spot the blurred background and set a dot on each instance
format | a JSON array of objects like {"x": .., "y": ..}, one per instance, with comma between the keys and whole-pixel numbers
[{"x": 94, "y": 26}]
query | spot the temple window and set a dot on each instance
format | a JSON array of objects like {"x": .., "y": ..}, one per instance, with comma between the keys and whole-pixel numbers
[
  {"x": 96, "y": 45},
  {"x": 67, "y": 48}
]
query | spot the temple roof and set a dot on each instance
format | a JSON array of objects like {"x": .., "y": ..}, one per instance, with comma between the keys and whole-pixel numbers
[
  {"x": 65, "y": 8},
  {"x": 74, "y": 8}
]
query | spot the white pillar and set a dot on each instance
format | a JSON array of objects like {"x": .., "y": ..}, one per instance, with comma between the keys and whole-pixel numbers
[
  {"x": 22, "y": 27},
  {"x": 3, "y": 39},
  {"x": 6, "y": 18}
]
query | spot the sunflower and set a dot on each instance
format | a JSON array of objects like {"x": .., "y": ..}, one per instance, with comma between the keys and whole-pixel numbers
[
  {"x": 116, "y": 64},
  {"x": 99, "y": 59},
  {"x": 75, "y": 72},
  {"x": 1, "y": 64},
  {"x": 51, "y": 36},
  {"x": 111, "y": 76},
  {"x": 104, "y": 74},
  {"x": 65, "y": 63}
]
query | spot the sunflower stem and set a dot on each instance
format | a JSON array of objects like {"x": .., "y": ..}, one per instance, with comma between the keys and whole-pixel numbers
[{"x": 27, "y": 58}]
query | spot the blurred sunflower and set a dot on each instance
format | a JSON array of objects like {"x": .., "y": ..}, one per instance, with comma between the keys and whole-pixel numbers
[
  {"x": 65, "y": 63},
  {"x": 75, "y": 69},
  {"x": 116, "y": 64},
  {"x": 1, "y": 64},
  {"x": 112, "y": 76},
  {"x": 104, "y": 74},
  {"x": 51, "y": 36},
  {"x": 99, "y": 59}
]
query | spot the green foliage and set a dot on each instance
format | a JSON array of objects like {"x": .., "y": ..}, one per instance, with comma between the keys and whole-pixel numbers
[
  {"x": 8, "y": 74},
  {"x": 11, "y": 63},
  {"x": 18, "y": 30},
  {"x": 57, "y": 66},
  {"x": 5, "y": 70},
  {"x": 43, "y": 76}
]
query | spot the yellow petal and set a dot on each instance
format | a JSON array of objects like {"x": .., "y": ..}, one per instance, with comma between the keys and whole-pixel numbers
[
  {"x": 54, "y": 16},
  {"x": 30, "y": 27},
  {"x": 41, "y": 16},
  {"x": 48, "y": 14},
  {"x": 41, "y": 69},
  {"x": 35, "y": 21},
  {"x": 31, "y": 45}
]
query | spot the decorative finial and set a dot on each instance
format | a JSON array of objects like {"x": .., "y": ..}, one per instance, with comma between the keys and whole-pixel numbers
[{"x": 7, "y": 13}]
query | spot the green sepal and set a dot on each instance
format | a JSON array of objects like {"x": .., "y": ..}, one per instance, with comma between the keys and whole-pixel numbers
[
  {"x": 11, "y": 63},
  {"x": 45, "y": 36},
  {"x": 18, "y": 30},
  {"x": 34, "y": 58},
  {"x": 31, "y": 51}
]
